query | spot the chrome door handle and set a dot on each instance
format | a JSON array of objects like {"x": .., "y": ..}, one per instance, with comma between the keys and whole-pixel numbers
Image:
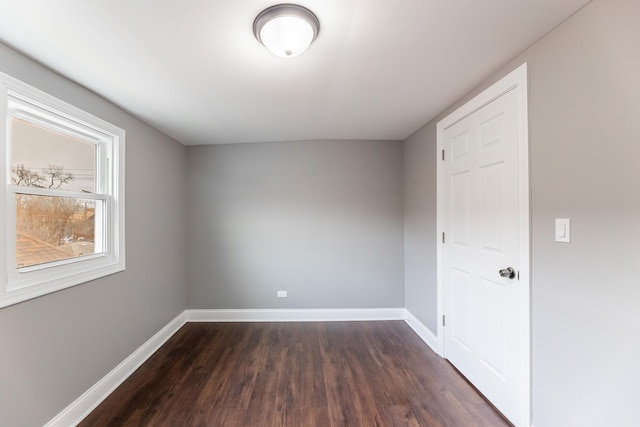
[{"x": 508, "y": 272}]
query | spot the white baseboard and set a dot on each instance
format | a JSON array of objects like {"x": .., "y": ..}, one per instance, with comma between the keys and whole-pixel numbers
[
  {"x": 296, "y": 315},
  {"x": 82, "y": 406},
  {"x": 423, "y": 332}
]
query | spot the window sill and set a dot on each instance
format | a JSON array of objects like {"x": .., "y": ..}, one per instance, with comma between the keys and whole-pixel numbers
[{"x": 17, "y": 292}]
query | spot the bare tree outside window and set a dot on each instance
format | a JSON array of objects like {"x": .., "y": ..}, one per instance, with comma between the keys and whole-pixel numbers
[
  {"x": 63, "y": 174},
  {"x": 21, "y": 175},
  {"x": 63, "y": 227},
  {"x": 56, "y": 177}
]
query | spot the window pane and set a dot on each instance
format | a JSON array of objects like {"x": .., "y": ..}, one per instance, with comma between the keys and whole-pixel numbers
[
  {"x": 54, "y": 228},
  {"x": 43, "y": 158}
]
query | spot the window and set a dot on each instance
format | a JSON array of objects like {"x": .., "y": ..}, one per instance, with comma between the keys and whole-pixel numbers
[{"x": 63, "y": 210}]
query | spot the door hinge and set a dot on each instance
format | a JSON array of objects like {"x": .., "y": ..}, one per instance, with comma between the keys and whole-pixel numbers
[
  {"x": 443, "y": 322},
  {"x": 443, "y": 155},
  {"x": 443, "y": 237}
]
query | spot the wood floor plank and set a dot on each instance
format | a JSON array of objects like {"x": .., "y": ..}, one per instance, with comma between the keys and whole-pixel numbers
[
  {"x": 295, "y": 374},
  {"x": 400, "y": 415}
]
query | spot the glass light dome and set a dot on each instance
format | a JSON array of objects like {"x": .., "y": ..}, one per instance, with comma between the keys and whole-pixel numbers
[{"x": 286, "y": 30}]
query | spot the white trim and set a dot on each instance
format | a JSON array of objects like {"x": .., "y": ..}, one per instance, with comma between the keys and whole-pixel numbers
[
  {"x": 82, "y": 406},
  {"x": 296, "y": 315},
  {"x": 422, "y": 331},
  {"x": 516, "y": 81},
  {"x": 22, "y": 100},
  {"x": 74, "y": 413}
]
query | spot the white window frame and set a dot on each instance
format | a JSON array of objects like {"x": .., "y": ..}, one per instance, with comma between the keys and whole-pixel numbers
[{"x": 19, "y": 100}]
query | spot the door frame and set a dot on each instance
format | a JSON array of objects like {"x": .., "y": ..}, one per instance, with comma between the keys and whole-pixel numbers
[{"x": 514, "y": 81}]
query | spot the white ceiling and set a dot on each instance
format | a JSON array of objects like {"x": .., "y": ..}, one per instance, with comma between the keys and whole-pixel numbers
[{"x": 379, "y": 69}]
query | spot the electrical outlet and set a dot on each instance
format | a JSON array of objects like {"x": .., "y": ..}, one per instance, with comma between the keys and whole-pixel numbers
[{"x": 282, "y": 294}]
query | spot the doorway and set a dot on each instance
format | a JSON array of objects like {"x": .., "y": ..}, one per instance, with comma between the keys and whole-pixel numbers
[{"x": 483, "y": 255}]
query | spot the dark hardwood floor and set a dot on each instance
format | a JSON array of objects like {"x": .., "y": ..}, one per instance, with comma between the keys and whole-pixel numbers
[{"x": 295, "y": 374}]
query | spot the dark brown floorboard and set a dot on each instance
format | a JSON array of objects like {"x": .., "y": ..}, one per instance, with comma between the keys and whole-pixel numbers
[{"x": 325, "y": 374}]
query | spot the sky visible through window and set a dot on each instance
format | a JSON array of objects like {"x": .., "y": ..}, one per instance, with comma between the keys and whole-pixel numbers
[
  {"x": 52, "y": 228},
  {"x": 38, "y": 148}
]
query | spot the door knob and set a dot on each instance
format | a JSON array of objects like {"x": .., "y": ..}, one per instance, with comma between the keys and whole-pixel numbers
[{"x": 508, "y": 272}]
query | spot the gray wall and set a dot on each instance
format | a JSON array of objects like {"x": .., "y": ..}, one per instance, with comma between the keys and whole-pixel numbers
[
  {"x": 420, "y": 225},
  {"x": 323, "y": 220},
  {"x": 319, "y": 219},
  {"x": 53, "y": 348},
  {"x": 584, "y": 108}
]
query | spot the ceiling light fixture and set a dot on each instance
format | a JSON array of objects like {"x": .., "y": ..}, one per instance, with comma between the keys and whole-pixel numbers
[{"x": 287, "y": 30}]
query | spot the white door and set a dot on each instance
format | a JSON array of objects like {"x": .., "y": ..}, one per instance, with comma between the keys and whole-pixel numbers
[{"x": 483, "y": 320}]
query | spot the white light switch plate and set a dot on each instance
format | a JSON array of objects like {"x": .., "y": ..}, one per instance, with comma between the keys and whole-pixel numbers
[
  {"x": 563, "y": 230},
  {"x": 282, "y": 294}
]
